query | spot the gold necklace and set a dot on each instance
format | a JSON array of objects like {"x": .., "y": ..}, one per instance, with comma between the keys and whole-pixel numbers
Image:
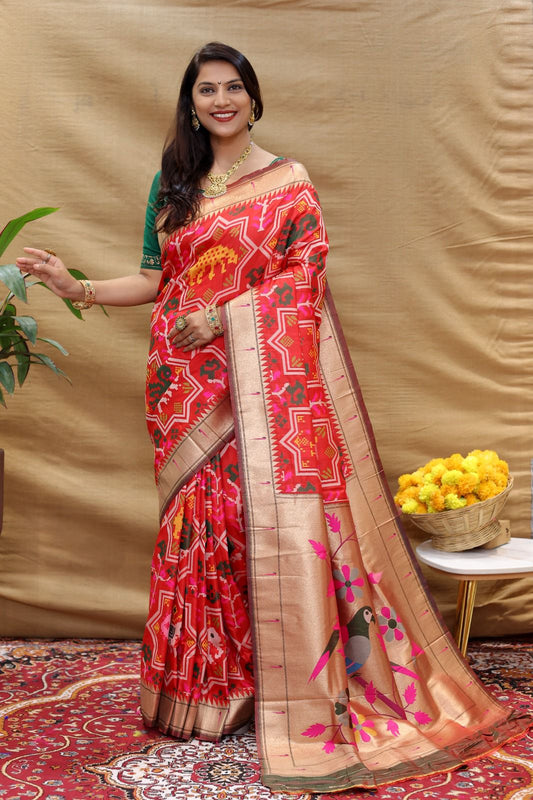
[{"x": 218, "y": 182}]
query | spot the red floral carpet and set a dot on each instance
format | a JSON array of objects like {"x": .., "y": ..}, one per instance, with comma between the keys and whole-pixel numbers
[{"x": 70, "y": 728}]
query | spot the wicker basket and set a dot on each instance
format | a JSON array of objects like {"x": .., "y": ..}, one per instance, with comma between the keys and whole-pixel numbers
[{"x": 464, "y": 528}]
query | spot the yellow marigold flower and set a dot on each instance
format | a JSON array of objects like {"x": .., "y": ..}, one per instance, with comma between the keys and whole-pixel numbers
[
  {"x": 435, "y": 462},
  {"x": 438, "y": 471},
  {"x": 406, "y": 480},
  {"x": 455, "y": 461},
  {"x": 501, "y": 481},
  {"x": 426, "y": 492},
  {"x": 470, "y": 464},
  {"x": 467, "y": 483},
  {"x": 410, "y": 506},
  {"x": 471, "y": 499},
  {"x": 400, "y": 498},
  {"x": 411, "y": 493},
  {"x": 437, "y": 501},
  {"x": 487, "y": 489},
  {"x": 451, "y": 477},
  {"x": 504, "y": 466},
  {"x": 482, "y": 471},
  {"x": 451, "y": 501},
  {"x": 493, "y": 473},
  {"x": 476, "y": 454}
]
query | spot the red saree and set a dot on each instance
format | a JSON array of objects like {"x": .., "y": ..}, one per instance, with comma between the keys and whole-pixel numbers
[{"x": 278, "y": 531}]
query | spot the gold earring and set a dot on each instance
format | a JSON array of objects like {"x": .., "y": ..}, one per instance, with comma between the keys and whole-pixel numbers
[
  {"x": 251, "y": 118},
  {"x": 194, "y": 120}
]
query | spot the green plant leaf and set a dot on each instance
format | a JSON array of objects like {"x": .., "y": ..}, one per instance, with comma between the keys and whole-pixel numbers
[
  {"x": 29, "y": 326},
  {"x": 77, "y": 313},
  {"x": 7, "y": 326},
  {"x": 7, "y": 378},
  {"x": 54, "y": 344},
  {"x": 2, "y": 399},
  {"x": 47, "y": 362},
  {"x": 79, "y": 275},
  {"x": 12, "y": 277},
  {"x": 8, "y": 343},
  {"x": 22, "y": 353},
  {"x": 8, "y": 332},
  {"x": 16, "y": 225}
]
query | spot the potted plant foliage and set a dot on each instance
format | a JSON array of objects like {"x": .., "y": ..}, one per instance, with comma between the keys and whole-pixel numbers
[{"x": 18, "y": 332}]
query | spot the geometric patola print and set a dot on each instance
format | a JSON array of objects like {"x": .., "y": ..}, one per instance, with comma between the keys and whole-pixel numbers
[
  {"x": 309, "y": 451},
  {"x": 182, "y": 387}
]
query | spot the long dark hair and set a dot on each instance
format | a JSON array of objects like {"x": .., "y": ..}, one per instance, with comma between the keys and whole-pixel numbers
[{"x": 188, "y": 155}]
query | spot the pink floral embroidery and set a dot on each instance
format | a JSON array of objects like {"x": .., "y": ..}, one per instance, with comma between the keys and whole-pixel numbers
[
  {"x": 347, "y": 583},
  {"x": 390, "y": 625},
  {"x": 363, "y": 728}
]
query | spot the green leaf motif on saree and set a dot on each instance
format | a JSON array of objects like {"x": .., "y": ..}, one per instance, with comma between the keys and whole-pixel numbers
[
  {"x": 146, "y": 652},
  {"x": 157, "y": 388},
  {"x": 255, "y": 275},
  {"x": 232, "y": 471},
  {"x": 293, "y": 231},
  {"x": 211, "y": 369},
  {"x": 186, "y": 535},
  {"x": 309, "y": 488},
  {"x": 297, "y": 392},
  {"x": 171, "y": 304},
  {"x": 285, "y": 294}
]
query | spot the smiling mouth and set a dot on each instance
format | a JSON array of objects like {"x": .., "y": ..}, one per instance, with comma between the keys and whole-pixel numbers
[{"x": 223, "y": 116}]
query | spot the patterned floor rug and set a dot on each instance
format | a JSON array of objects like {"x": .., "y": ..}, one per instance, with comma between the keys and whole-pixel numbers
[{"x": 70, "y": 728}]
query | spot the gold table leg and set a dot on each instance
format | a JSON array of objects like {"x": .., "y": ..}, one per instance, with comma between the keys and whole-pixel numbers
[{"x": 466, "y": 599}]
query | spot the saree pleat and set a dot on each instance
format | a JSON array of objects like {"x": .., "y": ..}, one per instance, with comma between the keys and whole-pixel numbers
[
  {"x": 264, "y": 452},
  {"x": 197, "y": 673}
]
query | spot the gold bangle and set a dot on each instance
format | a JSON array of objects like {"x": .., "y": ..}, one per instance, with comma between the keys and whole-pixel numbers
[
  {"x": 90, "y": 296},
  {"x": 213, "y": 320}
]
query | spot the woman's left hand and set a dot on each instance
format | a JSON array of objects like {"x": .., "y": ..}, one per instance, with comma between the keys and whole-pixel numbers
[{"x": 196, "y": 333}]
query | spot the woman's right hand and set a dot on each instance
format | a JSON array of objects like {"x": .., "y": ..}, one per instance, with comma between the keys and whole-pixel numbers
[{"x": 52, "y": 272}]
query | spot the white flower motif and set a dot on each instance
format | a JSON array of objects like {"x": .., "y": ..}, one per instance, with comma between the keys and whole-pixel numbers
[{"x": 194, "y": 769}]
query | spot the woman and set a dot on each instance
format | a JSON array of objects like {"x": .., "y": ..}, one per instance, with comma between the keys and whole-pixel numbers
[{"x": 280, "y": 577}]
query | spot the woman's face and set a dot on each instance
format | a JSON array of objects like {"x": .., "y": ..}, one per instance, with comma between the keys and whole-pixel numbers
[{"x": 220, "y": 100}]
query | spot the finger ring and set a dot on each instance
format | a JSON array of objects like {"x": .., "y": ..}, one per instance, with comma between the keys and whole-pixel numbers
[
  {"x": 192, "y": 338},
  {"x": 181, "y": 323},
  {"x": 50, "y": 254}
]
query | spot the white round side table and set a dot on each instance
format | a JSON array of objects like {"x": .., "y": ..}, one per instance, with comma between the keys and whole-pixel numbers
[{"x": 511, "y": 560}]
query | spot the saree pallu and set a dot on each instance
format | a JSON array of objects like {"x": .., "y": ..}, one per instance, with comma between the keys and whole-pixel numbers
[{"x": 264, "y": 451}]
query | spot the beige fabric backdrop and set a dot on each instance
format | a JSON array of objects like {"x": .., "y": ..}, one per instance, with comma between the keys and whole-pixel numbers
[{"x": 414, "y": 120}]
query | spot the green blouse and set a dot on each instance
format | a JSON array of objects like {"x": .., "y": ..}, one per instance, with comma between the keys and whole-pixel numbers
[{"x": 151, "y": 256}]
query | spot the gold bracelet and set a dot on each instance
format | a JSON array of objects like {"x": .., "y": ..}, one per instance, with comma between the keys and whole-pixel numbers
[
  {"x": 213, "y": 320},
  {"x": 90, "y": 296}
]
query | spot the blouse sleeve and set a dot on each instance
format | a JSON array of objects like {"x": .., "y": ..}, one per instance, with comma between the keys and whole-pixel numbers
[{"x": 151, "y": 255}]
